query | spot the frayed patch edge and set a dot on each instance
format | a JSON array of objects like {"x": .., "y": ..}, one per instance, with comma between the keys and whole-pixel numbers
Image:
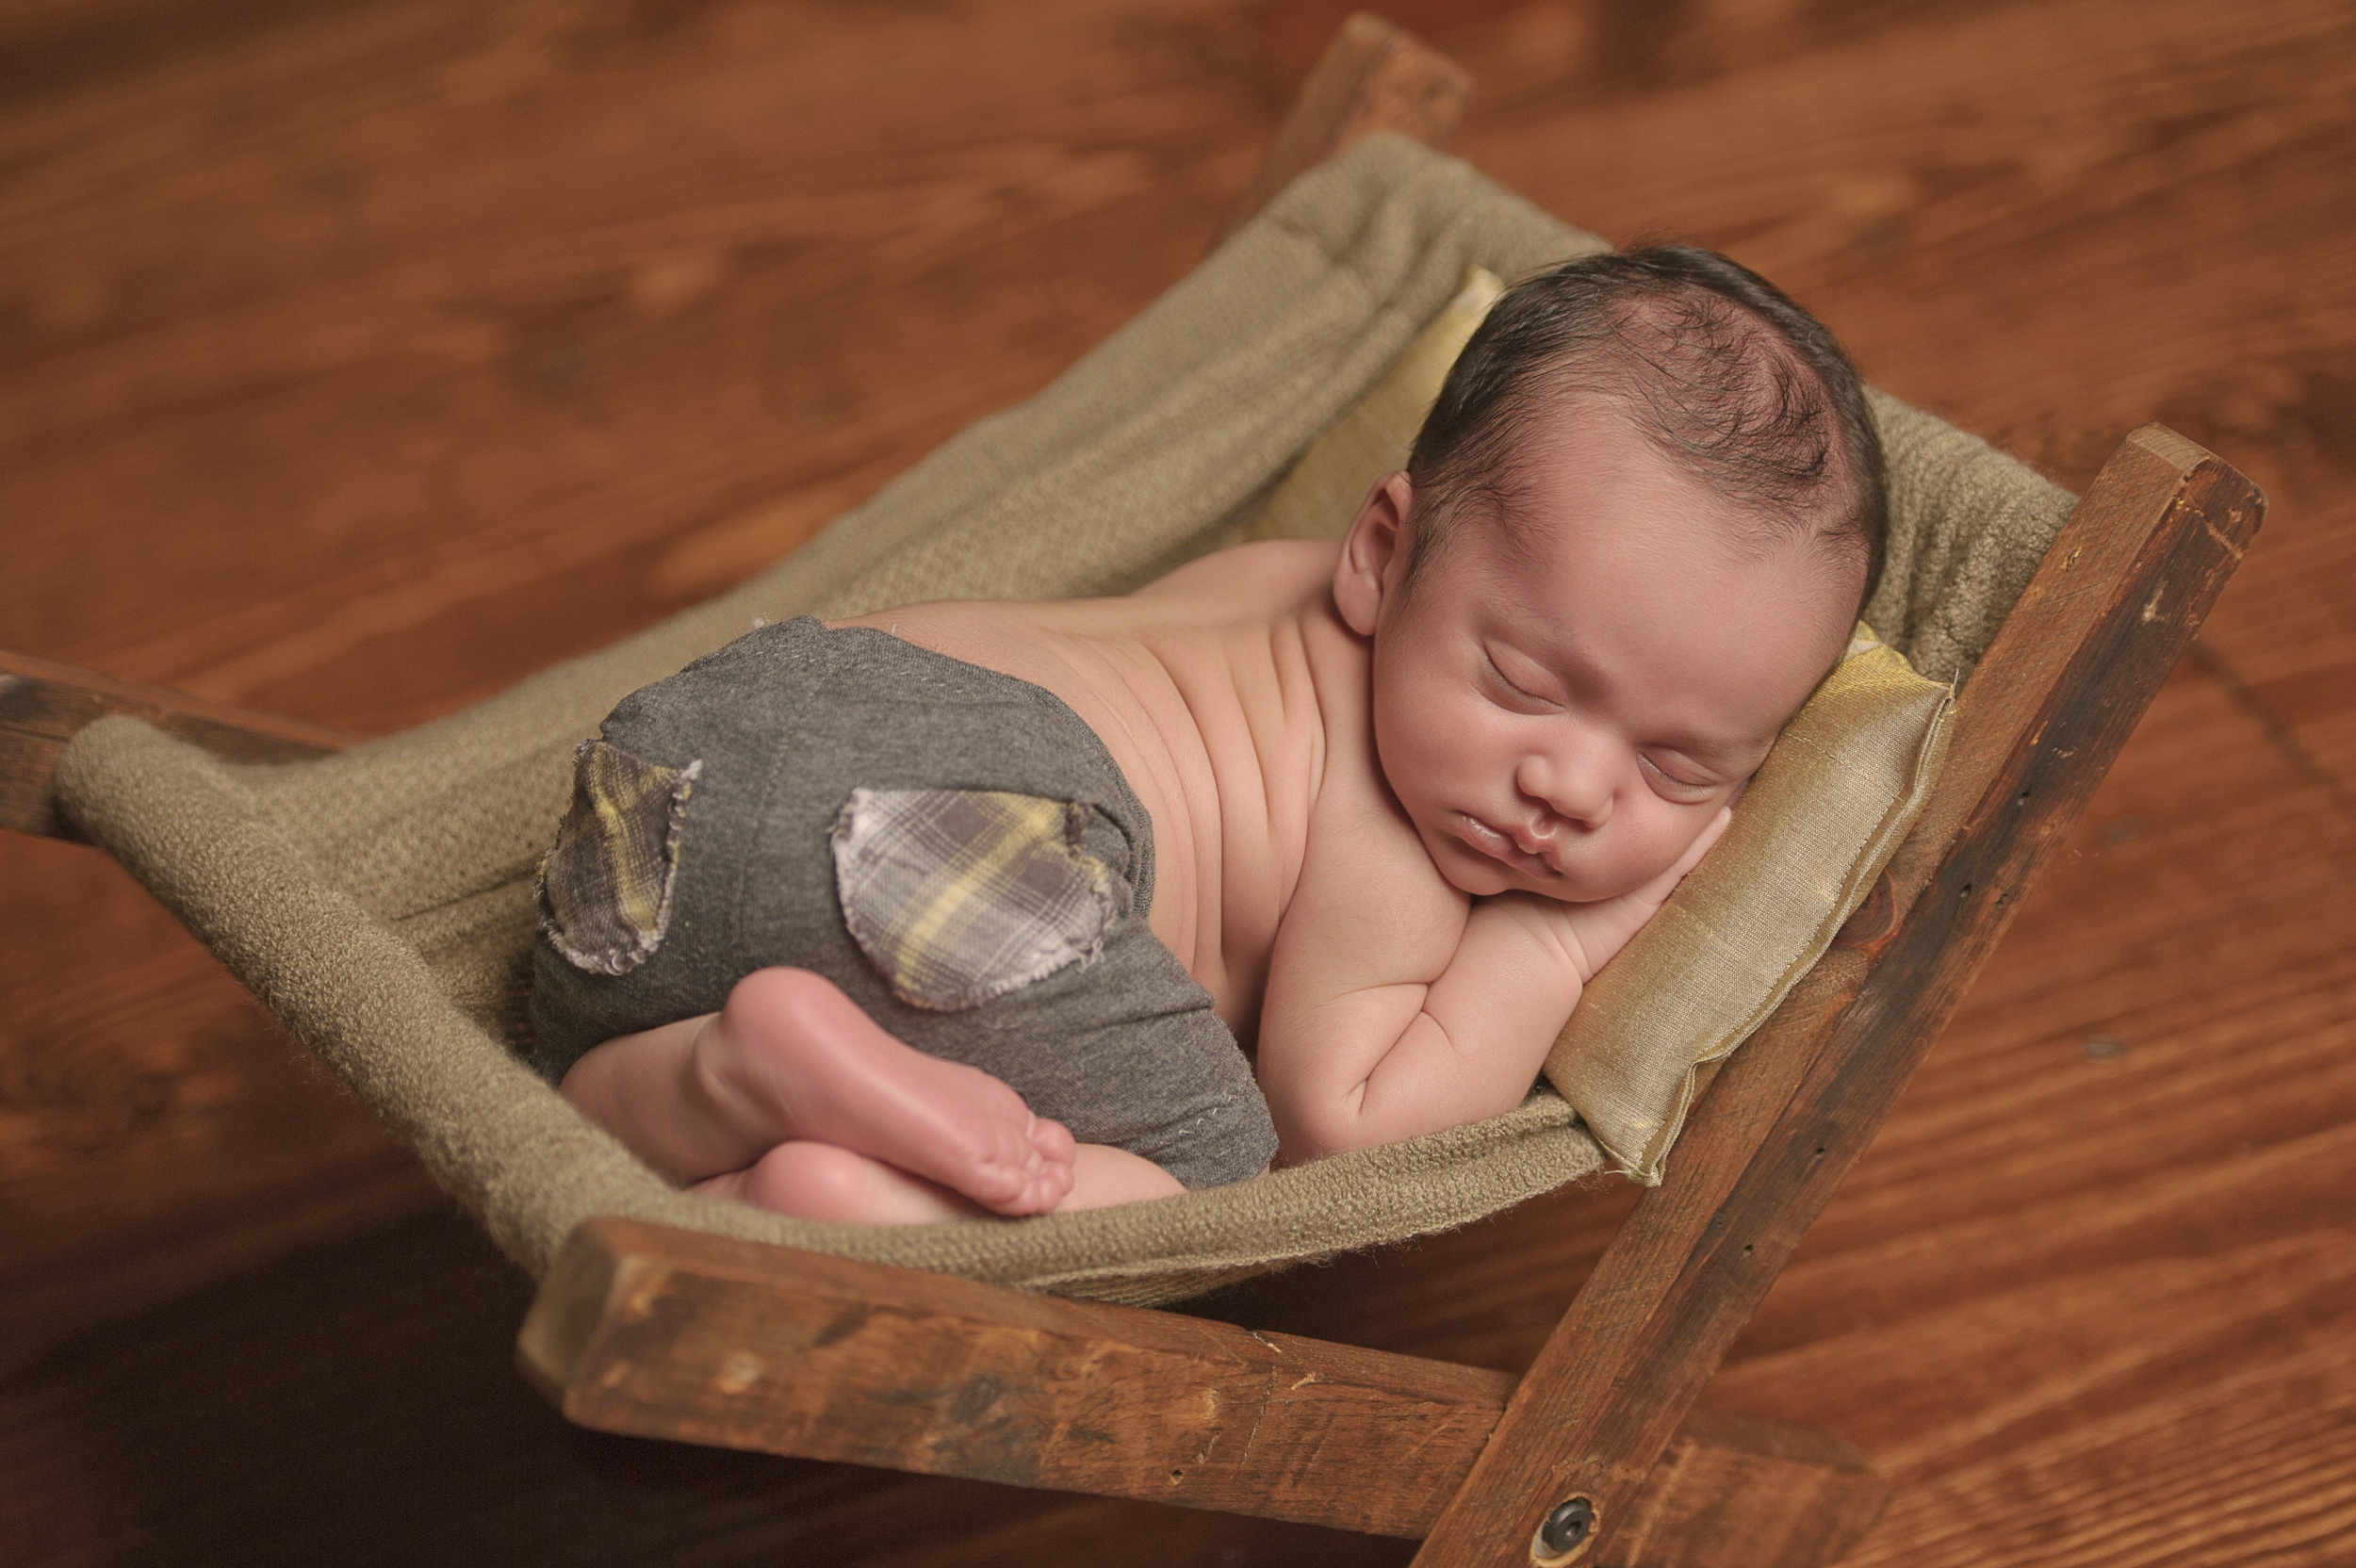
[{"x": 645, "y": 944}]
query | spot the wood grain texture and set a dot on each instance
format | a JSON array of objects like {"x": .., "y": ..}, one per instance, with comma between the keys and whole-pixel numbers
[
  {"x": 45, "y": 704},
  {"x": 1732, "y": 1490},
  {"x": 1372, "y": 77},
  {"x": 671, "y": 1333},
  {"x": 659, "y": 1332},
  {"x": 361, "y": 359}
]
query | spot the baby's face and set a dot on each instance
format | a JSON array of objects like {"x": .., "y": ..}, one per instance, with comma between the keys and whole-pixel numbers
[{"x": 1562, "y": 707}]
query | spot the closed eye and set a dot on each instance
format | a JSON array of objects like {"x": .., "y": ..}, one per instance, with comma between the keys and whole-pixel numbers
[
  {"x": 1519, "y": 693},
  {"x": 1686, "y": 789}
]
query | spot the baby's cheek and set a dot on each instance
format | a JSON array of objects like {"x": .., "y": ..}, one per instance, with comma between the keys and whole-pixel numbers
[{"x": 1644, "y": 855}]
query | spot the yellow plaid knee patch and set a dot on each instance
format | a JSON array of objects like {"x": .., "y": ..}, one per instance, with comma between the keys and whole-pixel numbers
[
  {"x": 960, "y": 895},
  {"x": 605, "y": 887}
]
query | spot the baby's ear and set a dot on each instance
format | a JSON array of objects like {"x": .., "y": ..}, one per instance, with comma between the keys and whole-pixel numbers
[{"x": 1373, "y": 552}]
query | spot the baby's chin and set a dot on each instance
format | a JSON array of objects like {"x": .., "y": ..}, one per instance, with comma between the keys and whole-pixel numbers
[{"x": 1569, "y": 892}]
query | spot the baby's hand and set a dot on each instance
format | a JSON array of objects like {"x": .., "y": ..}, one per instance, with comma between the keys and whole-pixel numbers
[{"x": 1604, "y": 927}]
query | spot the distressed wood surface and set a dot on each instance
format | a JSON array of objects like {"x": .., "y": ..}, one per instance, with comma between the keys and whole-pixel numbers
[
  {"x": 661, "y": 1333},
  {"x": 671, "y": 1333},
  {"x": 361, "y": 359},
  {"x": 42, "y": 704},
  {"x": 1373, "y": 77}
]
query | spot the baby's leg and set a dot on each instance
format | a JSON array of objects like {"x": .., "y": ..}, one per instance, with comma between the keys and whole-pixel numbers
[
  {"x": 789, "y": 1057},
  {"x": 825, "y": 1180}
]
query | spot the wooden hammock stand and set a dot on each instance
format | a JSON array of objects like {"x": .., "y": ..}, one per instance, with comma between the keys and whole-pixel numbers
[{"x": 1597, "y": 1454}]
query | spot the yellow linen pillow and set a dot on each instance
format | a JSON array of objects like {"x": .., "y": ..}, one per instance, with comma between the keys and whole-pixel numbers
[{"x": 1844, "y": 783}]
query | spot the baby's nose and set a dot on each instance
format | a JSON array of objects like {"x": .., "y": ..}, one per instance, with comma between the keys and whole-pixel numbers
[{"x": 1575, "y": 786}]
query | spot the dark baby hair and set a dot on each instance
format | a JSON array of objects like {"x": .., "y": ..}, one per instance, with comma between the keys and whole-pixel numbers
[{"x": 1718, "y": 370}]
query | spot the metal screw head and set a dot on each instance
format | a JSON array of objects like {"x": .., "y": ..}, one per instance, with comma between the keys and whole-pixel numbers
[{"x": 1567, "y": 1526}]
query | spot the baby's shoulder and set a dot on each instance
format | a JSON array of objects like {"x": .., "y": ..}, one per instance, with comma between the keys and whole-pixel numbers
[
  {"x": 1268, "y": 576},
  {"x": 1369, "y": 890}
]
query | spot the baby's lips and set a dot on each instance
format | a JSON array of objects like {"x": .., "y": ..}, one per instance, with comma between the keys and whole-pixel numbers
[
  {"x": 1503, "y": 848},
  {"x": 1531, "y": 841}
]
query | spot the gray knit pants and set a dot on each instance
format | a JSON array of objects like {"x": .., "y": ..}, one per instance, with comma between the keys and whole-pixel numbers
[{"x": 952, "y": 846}]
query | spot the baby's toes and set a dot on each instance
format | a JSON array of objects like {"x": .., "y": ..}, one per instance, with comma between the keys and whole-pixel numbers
[
  {"x": 1053, "y": 1142},
  {"x": 1031, "y": 1171},
  {"x": 1049, "y": 1185},
  {"x": 997, "y": 1166},
  {"x": 1055, "y": 1166}
]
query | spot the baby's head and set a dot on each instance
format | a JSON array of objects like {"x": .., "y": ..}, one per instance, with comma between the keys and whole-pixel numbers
[{"x": 1632, "y": 537}]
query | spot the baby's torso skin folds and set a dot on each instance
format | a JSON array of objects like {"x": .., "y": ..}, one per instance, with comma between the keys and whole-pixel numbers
[{"x": 1234, "y": 699}]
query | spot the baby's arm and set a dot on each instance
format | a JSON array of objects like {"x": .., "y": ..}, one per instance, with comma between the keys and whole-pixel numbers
[{"x": 1384, "y": 1023}]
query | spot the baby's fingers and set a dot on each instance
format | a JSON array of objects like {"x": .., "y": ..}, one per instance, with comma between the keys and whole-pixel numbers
[
  {"x": 1710, "y": 836},
  {"x": 1657, "y": 890}
]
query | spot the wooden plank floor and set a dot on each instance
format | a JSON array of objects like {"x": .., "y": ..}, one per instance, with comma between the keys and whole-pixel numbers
[{"x": 358, "y": 358}]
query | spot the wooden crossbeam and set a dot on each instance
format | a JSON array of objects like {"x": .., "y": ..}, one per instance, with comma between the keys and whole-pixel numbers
[
  {"x": 43, "y": 704},
  {"x": 663, "y": 1332}
]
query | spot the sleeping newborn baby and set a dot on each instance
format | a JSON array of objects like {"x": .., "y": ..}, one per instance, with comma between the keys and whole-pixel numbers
[{"x": 966, "y": 906}]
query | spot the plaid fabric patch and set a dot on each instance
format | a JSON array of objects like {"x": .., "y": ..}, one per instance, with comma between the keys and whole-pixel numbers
[
  {"x": 605, "y": 887},
  {"x": 960, "y": 895}
]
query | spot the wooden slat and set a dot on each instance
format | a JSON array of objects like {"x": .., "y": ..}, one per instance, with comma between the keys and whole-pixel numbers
[
  {"x": 2155, "y": 478},
  {"x": 2120, "y": 593},
  {"x": 1372, "y": 77},
  {"x": 665, "y": 1333},
  {"x": 45, "y": 704},
  {"x": 674, "y": 1333}
]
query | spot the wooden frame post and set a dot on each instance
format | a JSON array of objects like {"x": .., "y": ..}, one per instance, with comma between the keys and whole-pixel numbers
[{"x": 1372, "y": 77}]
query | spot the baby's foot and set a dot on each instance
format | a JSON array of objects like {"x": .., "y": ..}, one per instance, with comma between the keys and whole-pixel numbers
[
  {"x": 792, "y": 1057},
  {"x": 825, "y": 1180}
]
